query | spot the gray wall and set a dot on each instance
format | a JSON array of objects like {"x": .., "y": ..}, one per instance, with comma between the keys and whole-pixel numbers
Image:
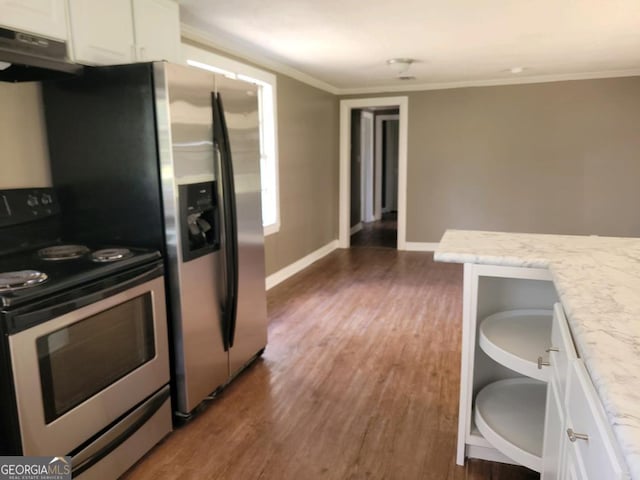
[
  {"x": 308, "y": 156},
  {"x": 24, "y": 159},
  {"x": 559, "y": 157}
]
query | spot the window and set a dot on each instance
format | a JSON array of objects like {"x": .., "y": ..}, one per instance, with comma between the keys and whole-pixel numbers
[{"x": 266, "y": 83}]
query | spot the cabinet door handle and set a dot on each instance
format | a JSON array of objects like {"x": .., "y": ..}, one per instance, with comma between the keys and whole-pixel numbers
[
  {"x": 552, "y": 349},
  {"x": 573, "y": 436},
  {"x": 542, "y": 363}
]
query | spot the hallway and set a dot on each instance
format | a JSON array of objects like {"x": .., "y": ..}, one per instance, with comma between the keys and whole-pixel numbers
[{"x": 382, "y": 233}]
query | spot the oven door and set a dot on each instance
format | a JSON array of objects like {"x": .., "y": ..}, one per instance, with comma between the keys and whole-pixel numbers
[{"x": 76, "y": 374}]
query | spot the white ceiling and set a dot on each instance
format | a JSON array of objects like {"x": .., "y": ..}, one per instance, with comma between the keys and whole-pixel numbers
[{"x": 345, "y": 43}]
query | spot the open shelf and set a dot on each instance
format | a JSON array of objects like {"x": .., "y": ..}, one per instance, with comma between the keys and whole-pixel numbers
[
  {"x": 510, "y": 416},
  {"x": 517, "y": 338}
]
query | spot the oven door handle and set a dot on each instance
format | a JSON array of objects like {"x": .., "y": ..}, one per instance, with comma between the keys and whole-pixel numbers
[
  {"x": 86, "y": 456},
  {"x": 37, "y": 313}
]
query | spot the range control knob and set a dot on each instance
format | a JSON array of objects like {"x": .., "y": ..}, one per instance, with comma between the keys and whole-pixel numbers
[
  {"x": 45, "y": 199},
  {"x": 32, "y": 200}
]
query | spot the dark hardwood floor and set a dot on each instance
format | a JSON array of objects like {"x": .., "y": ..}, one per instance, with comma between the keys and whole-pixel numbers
[
  {"x": 382, "y": 233},
  {"x": 359, "y": 381}
]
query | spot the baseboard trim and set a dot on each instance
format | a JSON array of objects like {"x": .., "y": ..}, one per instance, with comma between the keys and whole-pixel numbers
[
  {"x": 290, "y": 270},
  {"x": 356, "y": 228},
  {"x": 421, "y": 246}
]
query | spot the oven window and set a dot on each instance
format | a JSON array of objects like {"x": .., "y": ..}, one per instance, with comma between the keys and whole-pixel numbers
[{"x": 80, "y": 360}]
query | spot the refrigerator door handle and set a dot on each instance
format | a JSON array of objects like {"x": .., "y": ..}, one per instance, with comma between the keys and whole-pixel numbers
[
  {"x": 221, "y": 142},
  {"x": 227, "y": 164},
  {"x": 224, "y": 243}
]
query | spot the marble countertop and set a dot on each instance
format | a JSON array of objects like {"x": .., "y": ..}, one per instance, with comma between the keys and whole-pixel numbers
[{"x": 598, "y": 281}]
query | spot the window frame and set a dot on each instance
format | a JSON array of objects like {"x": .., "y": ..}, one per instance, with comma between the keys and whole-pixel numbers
[{"x": 232, "y": 68}]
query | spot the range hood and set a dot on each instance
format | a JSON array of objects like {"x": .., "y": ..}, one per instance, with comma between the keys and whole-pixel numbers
[{"x": 25, "y": 57}]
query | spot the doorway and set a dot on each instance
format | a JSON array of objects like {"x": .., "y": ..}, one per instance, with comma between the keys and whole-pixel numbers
[
  {"x": 373, "y": 159},
  {"x": 374, "y": 177}
]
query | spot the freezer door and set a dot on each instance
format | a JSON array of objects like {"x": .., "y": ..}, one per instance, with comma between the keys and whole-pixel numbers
[
  {"x": 187, "y": 157},
  {"x": 249, "y": 335}
]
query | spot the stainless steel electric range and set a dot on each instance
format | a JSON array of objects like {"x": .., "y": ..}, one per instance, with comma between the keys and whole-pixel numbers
[{"x": 84, "y": 363}]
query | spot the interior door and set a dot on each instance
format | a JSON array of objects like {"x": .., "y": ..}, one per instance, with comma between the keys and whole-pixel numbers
[
  {"x": 240, "y": 101},
  {"x": 391, "y": 130},
  {"x": 367, "y": 167}
]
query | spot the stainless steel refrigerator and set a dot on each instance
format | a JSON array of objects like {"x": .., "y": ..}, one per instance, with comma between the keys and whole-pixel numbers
[{"x": 168, "y": 156}]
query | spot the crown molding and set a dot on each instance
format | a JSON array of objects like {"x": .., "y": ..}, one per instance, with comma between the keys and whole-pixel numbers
[
  {"x": 225, "y": 45},
  {"x": 491, "y": 82},
  {"x": 228, "y": 46}
]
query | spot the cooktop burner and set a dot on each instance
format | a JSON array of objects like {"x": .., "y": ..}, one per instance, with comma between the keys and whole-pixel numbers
[
  {"x": 35, "y": 253},
  {"x": 110, "y": 255},
  {"x": 31, "y": 269},
  {"x": 62, "y": 252},
  {"x": 10, "y": 281}
]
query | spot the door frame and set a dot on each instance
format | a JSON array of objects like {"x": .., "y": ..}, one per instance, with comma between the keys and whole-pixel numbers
[
  {"x": 402, "y": 103},
  {"x": 367, "y": 185},
  {"x": 380, "y": 119}
]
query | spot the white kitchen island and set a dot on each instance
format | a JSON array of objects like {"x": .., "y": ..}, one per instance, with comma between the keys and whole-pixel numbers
[{"x": 597, "y": 280}]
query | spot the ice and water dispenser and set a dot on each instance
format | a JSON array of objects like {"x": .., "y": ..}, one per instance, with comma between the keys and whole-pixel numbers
[{"x": 199, "y": 218}]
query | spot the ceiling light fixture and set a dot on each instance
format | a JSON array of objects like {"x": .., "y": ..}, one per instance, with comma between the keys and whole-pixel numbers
[
  {"x": 516, "y": 69},
  {"x": 400, "y": 66}
]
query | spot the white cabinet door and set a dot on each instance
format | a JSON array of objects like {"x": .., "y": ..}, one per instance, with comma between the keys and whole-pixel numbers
[
  {"x": 572, "y": 466},
  {"x": 157, "y": 30},
  {"x": 563, "y": 351},
  {"x": 102, "y": 32},
  {"x": 43, "y": 17},
  {"x": 553, "y": 435},
  {"x": 578, "y": 441},
  {"x": 590, "y": 442},
  {"x": 562, "y": 354}
]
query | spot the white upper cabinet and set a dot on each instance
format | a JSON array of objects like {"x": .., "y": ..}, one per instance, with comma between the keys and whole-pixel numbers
[
  {"x": 42, "y": 17},
  {"x": 157, "y": 30},
  {"x": 124, "y": 31},
  {"x": 102, "y": 32}
]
